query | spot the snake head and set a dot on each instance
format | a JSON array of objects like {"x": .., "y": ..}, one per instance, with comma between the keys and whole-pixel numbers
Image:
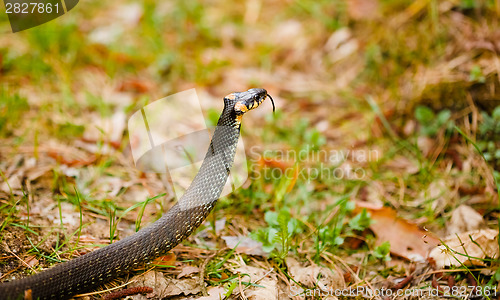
[{"x": 245, "y": 101}]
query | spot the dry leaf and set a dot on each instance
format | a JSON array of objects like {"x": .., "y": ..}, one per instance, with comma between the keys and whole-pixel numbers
[
  {"x": 244, "y": 245},
  {"x": 362, "y": 9},
  {"x": 14, "y": 183},
  {"x": 341, "y": 44},
  {"x": 31, "y": 261},
  {"x": 187, "y": 270},
  {"x": 153, "y": 279},
  {"x": 165, "y": 260},
  {"x": 165, "y": 287},
  {"x": 108, "y": 129},
  {"x": 401, "y": 163},
  {"x": 464, "y": 218},
  {"x": 182, "y": 286},
  {"x": 315, "y": 276},
  {"x": 70, "y": 156},
  {"x": 275, "y": 163},
  {"x": 389, "y": 227},
  {"x": 220, "y": 224},
  {"x": 268, "y": 283},
  {"x": 136, "y": 85},
  {"x": 214, "y": 293},
  {"x": 35, "y": 173},
  {"x": 425, "y": 144},
  {"x": 479, "y": 244}
]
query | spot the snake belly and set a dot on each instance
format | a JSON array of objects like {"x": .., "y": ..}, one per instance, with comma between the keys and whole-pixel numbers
[{"x": 91, "y": 270}]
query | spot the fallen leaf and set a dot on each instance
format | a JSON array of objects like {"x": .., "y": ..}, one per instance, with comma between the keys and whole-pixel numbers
[
  {"x": 268, "y": 283},
  {"x": 426, "y": 144},
  {"x": 220, "y": 225},
  {"x": 109, "y": 129},
  {"x": 214, "y": 293},
  {"x": 70, "y": 156},
  {"x": 402, "y": 163},
  {"x": 315, "y": 276},
  {"x": 223, "y": 277},
  {"x": 185, "y": 286},
  {"x": 13, "y": 183},
  {"x": 136, "y": 85},
  {"x": 464, "y": 218},
  {"x": 275, "y": 163},
  {"x": 244, "y": 245},
  {"x": 165, "y": 260},
  {"x": 36, "y": 172},
  {"x": 341, "y": 45},
  {"x": 187, "y": 270},
  {"x": 31, "y": 261},
  {"x": 479, "y": 244},
  {"x": 363, "y": 9},
  {"x": 166, "y": 287},
  {"x": 387, "y": 226}
]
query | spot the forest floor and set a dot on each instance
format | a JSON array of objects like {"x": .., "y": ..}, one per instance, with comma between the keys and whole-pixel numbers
[{"x": 377, "y": 177}]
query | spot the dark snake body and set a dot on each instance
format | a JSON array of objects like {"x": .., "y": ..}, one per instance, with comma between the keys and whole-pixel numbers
[{"x": 91, "y": 270}]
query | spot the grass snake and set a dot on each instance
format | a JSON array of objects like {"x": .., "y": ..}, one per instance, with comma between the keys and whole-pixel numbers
[{"x": 89, "y": 271}]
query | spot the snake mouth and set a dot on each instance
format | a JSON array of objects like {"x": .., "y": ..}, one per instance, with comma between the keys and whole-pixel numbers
[{"x": 250, "y": 99}]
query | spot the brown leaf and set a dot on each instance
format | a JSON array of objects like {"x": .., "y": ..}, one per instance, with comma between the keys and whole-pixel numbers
[
  {"x": 165, "y": 260},
  {"x": 214, "y": 293},
  {"x": 31, "y": 261},
  {"x": 187, "y": 270},
  {"x": 362, "y": 9},
  {"x": 407, "y": 240},
  {"x": 223, "y": 276},
  {"x": 315, "y": 276},
  {"x": 464, "y": 218},
  {"x": 166, "y": 287},
  {"x": 275, "y": 163},
  {"x": 72, "y": 161},
  {"x": 13, "y": 183},
  {"x": 401, "y": 163},
  {"x": 479, "y": 244},
  {"x": 244, "y": 245},
  {"x": 268, "y": 283},
  {"x": 109, "y": 129},
  {"x": 136, "y": 85}
]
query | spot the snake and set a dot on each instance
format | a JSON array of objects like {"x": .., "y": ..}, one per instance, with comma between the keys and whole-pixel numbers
[{"x": 87, "y": 272}]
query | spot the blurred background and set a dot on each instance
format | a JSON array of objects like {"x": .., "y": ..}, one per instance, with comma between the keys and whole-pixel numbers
[{"x": 387, "y": 113}]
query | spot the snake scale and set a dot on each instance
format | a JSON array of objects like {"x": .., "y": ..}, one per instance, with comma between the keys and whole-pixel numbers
[{"x": 89, "y": 271}]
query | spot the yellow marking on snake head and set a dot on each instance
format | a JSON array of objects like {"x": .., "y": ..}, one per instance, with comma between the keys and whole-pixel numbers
[
  {"x": 230, "y": 97},
  {"x": 240, "y": 107},
  {"x": 238, "y": 119}
]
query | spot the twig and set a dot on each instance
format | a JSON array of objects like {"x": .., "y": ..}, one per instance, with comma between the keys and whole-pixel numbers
[
  {"x": 202, "y": 273},
  {"x": 129, "y": 292},
  {"x": 403, "y": 283},
  {"x": 107, "y": 290},
  {"x": 25, "y": 263}
]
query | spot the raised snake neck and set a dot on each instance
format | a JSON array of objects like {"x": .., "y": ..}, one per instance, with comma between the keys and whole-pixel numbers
[{"x": 91, "y": 270}]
